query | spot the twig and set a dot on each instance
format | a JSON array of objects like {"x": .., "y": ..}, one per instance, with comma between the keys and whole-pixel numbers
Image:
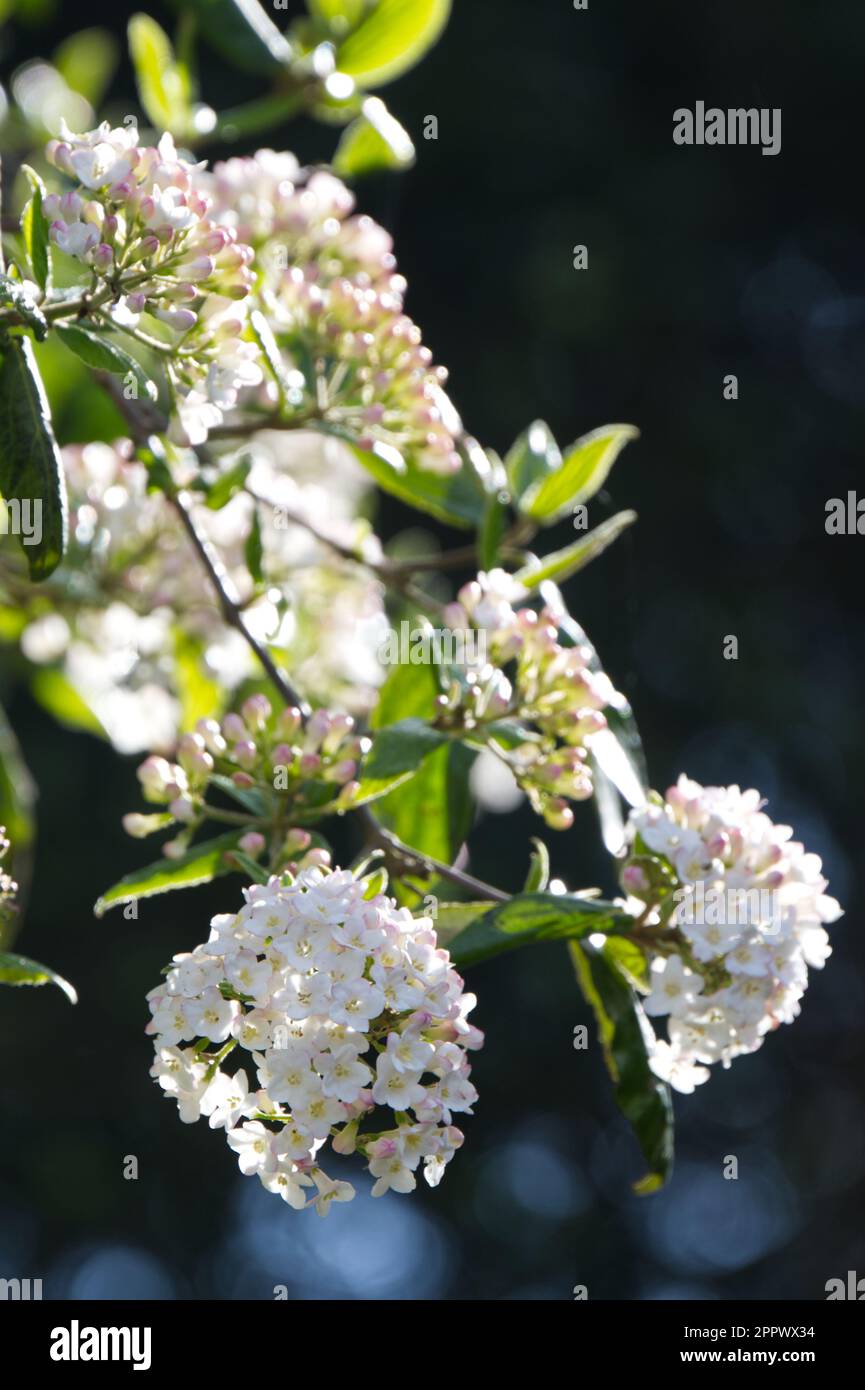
[
  {"x": 413, "y": 861},
  {"x": 229, "y": 602}
]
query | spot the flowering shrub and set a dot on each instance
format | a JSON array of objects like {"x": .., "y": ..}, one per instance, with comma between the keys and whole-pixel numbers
[{"x": 203, "y": 583}]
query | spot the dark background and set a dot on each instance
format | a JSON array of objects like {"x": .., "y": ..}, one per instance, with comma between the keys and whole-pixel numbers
[{"x": 555, "y": 128}]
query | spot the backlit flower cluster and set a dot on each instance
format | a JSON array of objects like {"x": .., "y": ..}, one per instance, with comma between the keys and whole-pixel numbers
[
  {"x": 733, "y": 913},
  {"x": 332, "y": 296},
  {"x": 137, "y": 219},
  {"x": 354, "y": 1028},
  {"x": 123, "y": 636},
  {"x": 310, "y": 766},
  {"x": 552, "y": 691}
]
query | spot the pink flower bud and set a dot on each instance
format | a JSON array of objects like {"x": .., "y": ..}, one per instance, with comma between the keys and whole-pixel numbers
[
  {"x": 289, "y": 722},
  {"x": 256, "y": 711},
  {"x": 181, "y": 320},
  {"x": 634, "y": 879},
  {"x": 558, "y": 814},
  {"x": 252, "y": 843},
  {"x": 246, "y": 753}
]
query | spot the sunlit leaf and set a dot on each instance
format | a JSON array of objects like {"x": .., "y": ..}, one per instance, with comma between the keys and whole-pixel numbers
[
  {"x": 394, "y": 36},
  {"x": 20, "y": 970}
]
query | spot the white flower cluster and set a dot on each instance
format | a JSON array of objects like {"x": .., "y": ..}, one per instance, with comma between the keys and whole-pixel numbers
[
  {"x": 344, "y": 1003},
  {"x": 139, "y": 220},
  {"x": 552, "y": 688},
  {"x": 734, "y": 909},
  {"x": 113, "y": 638},
  {"x": 329, "y": 287}
]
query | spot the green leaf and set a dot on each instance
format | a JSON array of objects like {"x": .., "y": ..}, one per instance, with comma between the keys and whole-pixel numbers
[
  {"x": 249, "y": 866},
  {"x": 408, "y": 690},
  {"x": 102, "y": 353},
  {"x": 253, "y": 550},
  {"x": 228, "y": 484},
  {"x": 34, "y": 230},
  {"x": 612, "y": 758},
  {"x": 457, "y": 499},
  {"x": 394, "y": 36},
  {"x": 60, "y": 698},
  {"x": 163, "y": 83},
  {"x": 395, "y": 756},
  {"x": 201, "y": 864},
  {"x": 561, "y": 564},
  {"x": 641, "y": 1096},
  {"x": 531, "y": 917},
  {"x": 450, "y": 919},
  {"x": 539, "y": 868},
  {"x": 492, "y": 529},
  {"x": 14, "y": 294},
  {"x": 628, "y": 958},
  {"x": 532, "y": 457},
  {"x": 30, "y": 463},
  {"x": 200, "y": 695},
  {"x": 250, "y": 798},
  {"x": 243, "y": 32},
  {"x": 374, "y": 140},
  {"x": 433, "y": 812},
  {"x": 582, "y": 472},
  {"x": 19, "y": 970},
  {"x": 87, "y": 62},
  {"x": 339, "y": 15}
]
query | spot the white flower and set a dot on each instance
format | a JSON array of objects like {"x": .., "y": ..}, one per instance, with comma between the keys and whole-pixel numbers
[
  {"x": 671, "y": 1066},
  {"x": 213, "y": 1016},
  {"x": 251, "y": 1142},
  {"x": 288, "y": 1183},
  {"x": 674, "y": 987},
  {"x": 227, "y": 1099},
  {"x": 398, "y": 1089},
  {"x": 343, "y": 1076},
  {"x": 75, "y": 238},
  {"x": 329, "y": 1191}
]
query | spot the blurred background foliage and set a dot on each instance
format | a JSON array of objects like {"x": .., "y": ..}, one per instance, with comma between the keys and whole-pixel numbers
[{"x": 554, "y": 129}]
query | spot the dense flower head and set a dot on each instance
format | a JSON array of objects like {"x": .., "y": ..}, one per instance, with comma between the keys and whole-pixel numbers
[
  {"x": 137, "y": 218},
  {"x": 309, "y": 766},
  {"x": 294, "y": 216},
  {"x": 332, "y": 296},
  {"x": 552, "y": 689},
  {"x": 732, "y": 912},
  {"x": 354, "y": 1025}
]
